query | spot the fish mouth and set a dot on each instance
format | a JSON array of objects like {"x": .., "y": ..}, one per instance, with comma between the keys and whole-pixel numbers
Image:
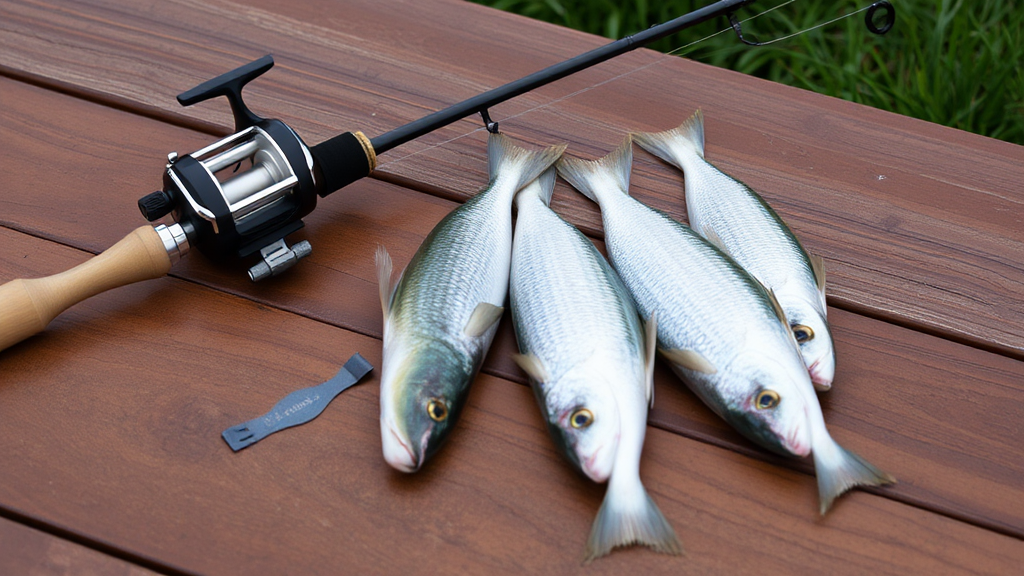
[
  {"x": 598, "y": 466},
  {"x": 397, "y": 452},
  {"x": 821, "y": 375},
  {"x": 797, "y": 442},
  {"x": 593, "y": 468}
]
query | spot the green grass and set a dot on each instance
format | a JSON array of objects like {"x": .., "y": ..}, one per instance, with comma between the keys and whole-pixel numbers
[{"x": 957, "y": 63}]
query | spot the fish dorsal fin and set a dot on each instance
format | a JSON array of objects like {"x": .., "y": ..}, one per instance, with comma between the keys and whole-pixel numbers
[
  {"x": 691, "y": 360},
  {"x": 818, "y": 267},
  {"x": 532, "y": 366},
  {"x": 484, "y": 316},
  {"x": 709, "y": 233},
  {"x": 651, "y": 332},
  {"x": 384, "y": 269}
]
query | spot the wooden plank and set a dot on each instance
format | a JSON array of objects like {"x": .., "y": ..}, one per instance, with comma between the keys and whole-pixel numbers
[
  {"x": 31, "y": 552},
  {"x": 969, "y": 465},
  {"x": 939, "y": 416},
  {"x": 112, "y": 430},
  {"x": 919, "y": 223}
]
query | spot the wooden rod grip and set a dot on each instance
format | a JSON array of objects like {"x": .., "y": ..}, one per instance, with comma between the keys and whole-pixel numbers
[{"x": 27, "y": 306}]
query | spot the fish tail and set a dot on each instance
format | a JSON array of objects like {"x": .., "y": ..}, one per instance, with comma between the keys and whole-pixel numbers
[
  {"x": 587, "y": 175},
  {"x": 689, "y": 135},
  {"x": 839, "y": 469},
  {"x": 629, "y": 516},
  {"x": 502, "y": 153},
  {"x": 543, "y": 187}
]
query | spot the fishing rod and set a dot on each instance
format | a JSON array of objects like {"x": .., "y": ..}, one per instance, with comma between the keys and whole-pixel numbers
[{"x": 232, "y": 214}]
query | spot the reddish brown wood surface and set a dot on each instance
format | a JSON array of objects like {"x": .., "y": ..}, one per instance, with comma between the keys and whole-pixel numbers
[
  {"x": 919, "y": 224},
  {"x": 111, "y": 425},
  {"x": 931, "y": 412},
  {"x": 111, "y": 419},
  {"x": 29, "y": 552}
]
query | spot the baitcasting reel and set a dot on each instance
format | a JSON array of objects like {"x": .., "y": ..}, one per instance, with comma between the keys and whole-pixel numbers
[
  {"x": 245, "y": 193},
  {"x": 233, "y": 199}
]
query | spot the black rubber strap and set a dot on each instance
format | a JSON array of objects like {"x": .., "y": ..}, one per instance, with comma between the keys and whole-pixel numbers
[
  {"x": 298, "y": 407},
  {"x": 341, "y": 161}
]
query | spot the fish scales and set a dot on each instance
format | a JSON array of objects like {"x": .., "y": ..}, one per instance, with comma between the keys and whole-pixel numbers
[
  {"x": 441, "y": 286},
  {"x": 722, "y": 332},
  {"x": 577, "y": 295},
  {"x": 732, "y": 216},
  {"x": 715, "y": 310},
  {"x": 441, "y": 317},
  {"x": 584, "y": 348},
  {"x": 746, "y": 225}
]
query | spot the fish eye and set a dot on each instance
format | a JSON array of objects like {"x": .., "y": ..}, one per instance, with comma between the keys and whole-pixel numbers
[
  {"x": 767, "y": 399},
  {"x": 802, "y": 333},
  {"x": 581, "y": 418},
  {"x": 437, "y": 410}
]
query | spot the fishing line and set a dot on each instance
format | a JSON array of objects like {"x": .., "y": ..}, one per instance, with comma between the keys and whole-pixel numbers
[
  {"x": 815, "y": 27},
  {"x": 665, "y": 57},
  {"x": 734, "y": 26}
]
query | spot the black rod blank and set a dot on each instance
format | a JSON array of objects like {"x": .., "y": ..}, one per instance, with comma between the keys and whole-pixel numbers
[{"x": 482, "y": 102}]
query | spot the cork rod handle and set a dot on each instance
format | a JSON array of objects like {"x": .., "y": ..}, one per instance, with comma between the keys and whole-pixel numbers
[{"x": 27, "y": 306}]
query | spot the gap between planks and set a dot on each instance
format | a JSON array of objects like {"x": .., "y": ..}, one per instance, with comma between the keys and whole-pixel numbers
[
  {"x": 100, "y": 546},
  {"x": 654, "y": 420}
]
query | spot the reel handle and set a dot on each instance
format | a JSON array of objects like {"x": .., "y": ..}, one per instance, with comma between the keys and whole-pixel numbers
[
  {"x": 230, "y": 84},
  {"x": 27, "y": 306}
]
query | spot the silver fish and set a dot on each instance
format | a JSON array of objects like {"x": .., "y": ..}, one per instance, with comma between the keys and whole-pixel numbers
[
  {"x": 441, "y": 316},
  {"x": 733, "y": 217},
  {"x": 721, "y": 331},
  {"x": 584, "y": 348}
]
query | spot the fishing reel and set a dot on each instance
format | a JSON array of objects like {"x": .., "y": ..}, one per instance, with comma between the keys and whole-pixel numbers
[
  {"x": 233, "y": 199},
  {"x": 244, "y": 194}
]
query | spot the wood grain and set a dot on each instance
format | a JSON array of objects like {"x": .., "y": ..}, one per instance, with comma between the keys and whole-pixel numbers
[
  {"x": 919, "y": 224},
  {"x": 969, "y": 464},
  {"x": 25, "y": 551},
  {"x": 112, "y": 428}
]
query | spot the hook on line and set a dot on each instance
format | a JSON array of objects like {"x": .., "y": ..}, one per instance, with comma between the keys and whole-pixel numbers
[{"x": 491, "y": 126}]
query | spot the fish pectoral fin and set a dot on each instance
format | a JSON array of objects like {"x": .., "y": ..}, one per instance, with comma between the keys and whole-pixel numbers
[
  {"x": 779, "y": 312},
  {"x": 691, "y": 360},
  {"x": 782, "y": 316},
  {"x": 709, "y": 233},
  {"x": 651, "y": 330},
  {"x": 818, "y": 267},
  {"x": 384, "y": 270},
  {"x": 484, "y": 316},
  {"x": 776, "y": 307},
  {"x": 532, "y": 366}
]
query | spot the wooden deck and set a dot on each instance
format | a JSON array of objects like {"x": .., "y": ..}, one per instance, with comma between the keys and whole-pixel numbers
[{"x": 110, "y": 456}]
